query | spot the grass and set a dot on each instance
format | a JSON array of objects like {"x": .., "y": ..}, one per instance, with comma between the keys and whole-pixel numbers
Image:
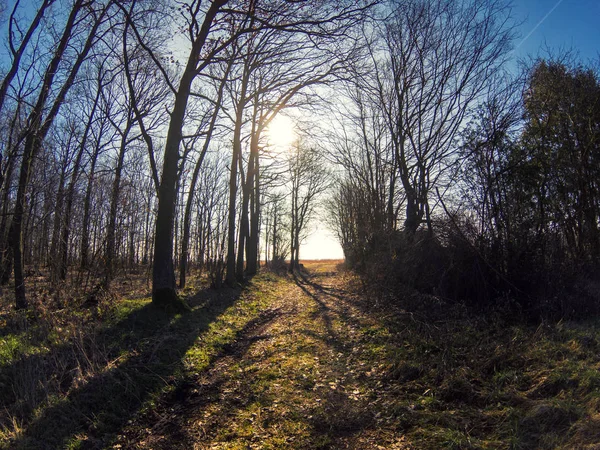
[
  {"x": 73, "y": 378},
  {"x": 310, "y": 361},
  {"x": 468, "y": 382}
]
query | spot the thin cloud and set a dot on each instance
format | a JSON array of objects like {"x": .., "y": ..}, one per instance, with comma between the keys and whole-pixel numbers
[{"x": 539, "y": 23}]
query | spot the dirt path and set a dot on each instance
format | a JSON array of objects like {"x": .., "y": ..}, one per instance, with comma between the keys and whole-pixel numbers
[
  {"x": 294, "y": 378},
  {"x": 306, "y": 362},
  {"x": 319, "y": 362}
]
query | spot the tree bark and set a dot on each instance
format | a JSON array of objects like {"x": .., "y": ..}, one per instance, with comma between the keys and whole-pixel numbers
[
  {"x": 56, "y": 226},
  {"x": 6, "y": 244},
  {"x": 253, "y": 238},
  {"x": 244, "y": 226},
  {"x": 163, "y": 271}
]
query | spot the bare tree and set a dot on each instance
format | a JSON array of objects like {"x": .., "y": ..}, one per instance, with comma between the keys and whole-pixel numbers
[
  {"x": 366, "y": 201},
  {"x": 38, "y": 123},
  {"x": 278, "y": 68},
  {"x": 141, "y": 95},
  {"x": 94, "y": 98},
  {"x": 430, "y": 62},
  {"x": 183, "y": 264},
  {"x": 277, "y": 244},
  {"x": 199, "y": 26},
  {"x": 18, "y": 42},
  {"x": 308, "y": 179}
]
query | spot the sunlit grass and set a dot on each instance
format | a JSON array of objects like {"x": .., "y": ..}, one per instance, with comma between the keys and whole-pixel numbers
[{"x": 284, "y": 363}]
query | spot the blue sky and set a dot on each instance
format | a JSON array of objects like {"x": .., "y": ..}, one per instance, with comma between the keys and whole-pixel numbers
[
  {"x": 569, "y": 24},
  {"x": 566, "y": 24},
  {"x": 563, "y": 24}
]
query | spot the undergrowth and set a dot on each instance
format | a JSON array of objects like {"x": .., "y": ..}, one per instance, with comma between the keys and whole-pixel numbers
[
  {"x": 314, "y": 360},
  {"x": 456, "y": 379},
  {"x": 73, "y": 377}
]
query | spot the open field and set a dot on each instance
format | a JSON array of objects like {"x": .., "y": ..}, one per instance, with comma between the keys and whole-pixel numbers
[{"x": 308, "y": 361}]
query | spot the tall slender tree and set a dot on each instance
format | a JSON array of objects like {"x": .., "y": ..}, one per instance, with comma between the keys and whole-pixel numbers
[{"x": 40, "y": 121}]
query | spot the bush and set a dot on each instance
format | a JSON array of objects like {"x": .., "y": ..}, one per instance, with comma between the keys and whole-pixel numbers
[{"x": 458, "y": 264}]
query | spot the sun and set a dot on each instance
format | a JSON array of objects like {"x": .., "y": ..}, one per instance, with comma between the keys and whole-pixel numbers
[{"x": 280, "y": 132}]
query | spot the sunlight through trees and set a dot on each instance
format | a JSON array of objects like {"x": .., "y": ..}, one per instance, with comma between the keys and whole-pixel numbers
[{"x": 208, "y": 135}]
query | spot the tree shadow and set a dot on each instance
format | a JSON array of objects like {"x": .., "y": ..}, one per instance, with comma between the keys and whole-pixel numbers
[
  {"x": 329, "y": 336},
  {"x": 309, "y": 284},
  {"x": 144, "y": 356},
  {"x": 304, "y": 279},
  {"x": 167, "y": 425},
  {"x": 339, "y": 417}
]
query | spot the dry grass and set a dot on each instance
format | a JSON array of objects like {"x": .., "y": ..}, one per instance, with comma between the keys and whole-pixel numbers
[
  {"x": 310, "y": 361},
  {"x": 71, "y": 378}
]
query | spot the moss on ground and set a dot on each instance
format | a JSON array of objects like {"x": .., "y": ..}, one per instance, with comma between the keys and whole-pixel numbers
[{"x": 168, "y": 300}]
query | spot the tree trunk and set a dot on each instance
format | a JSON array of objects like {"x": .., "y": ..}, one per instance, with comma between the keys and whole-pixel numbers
[
  {"x": 146, "y": 232},
  {"x": 274, "y": 252},
  {"x": 293, "y": 230},
  {"x": 87, "y": 204},
  {"x": 56, "y": 226},
  {"x": 163, "y": 275},
  {"x": 244, "y": 229},
  {"x": 163, "y": 271},
  {"x": 413, "y": 219},
  {"x": 252, "y": 255},
  {"x": 6, "y": 244},
  {"x": 114, "y": 205},
  {"x": 230, "y": 276}
]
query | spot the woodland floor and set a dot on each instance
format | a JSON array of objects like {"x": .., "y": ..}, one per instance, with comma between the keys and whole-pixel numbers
[{"x": 309, "y": 361}]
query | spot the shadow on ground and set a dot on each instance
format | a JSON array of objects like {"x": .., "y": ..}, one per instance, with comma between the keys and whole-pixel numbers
[
  {"x": 342, "y": 418},
  {"x": 168, "y": 425},
  {"x": 144, "y": 359},
  {"x": 286, "y": 382}
]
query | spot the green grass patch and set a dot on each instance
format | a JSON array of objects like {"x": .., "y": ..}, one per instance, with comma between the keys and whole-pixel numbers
[
  {"x": 292, "y": 363},
  {"x": 79, "y": 381}
]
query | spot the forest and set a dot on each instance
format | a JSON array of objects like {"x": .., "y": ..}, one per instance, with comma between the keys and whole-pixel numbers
[{"x": 162, "y": 163}]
